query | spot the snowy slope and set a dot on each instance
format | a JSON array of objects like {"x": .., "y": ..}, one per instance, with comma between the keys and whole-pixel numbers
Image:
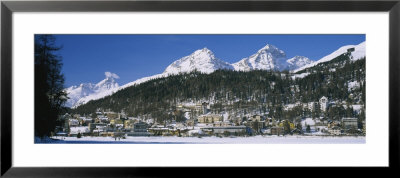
[
  {"x": 267, "y": 58},
  {"x": 144, "y": 79},
  {"x": 358, "y": 53},
  {"x": 297, "y": 62},
  {"x": 85, "y": 92},
  {"x": 202, "y": 60},
  {"x": 77, "y": 92}
]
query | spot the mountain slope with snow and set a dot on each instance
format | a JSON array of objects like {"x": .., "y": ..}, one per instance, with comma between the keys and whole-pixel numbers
[
  {"x": 144, "y": 79},
  {"x": 267, "y": 58},
  {"x": 77, "y": 92},
  {"x": 202, "y": 60},
  {"x": 87, "y": 91},
  {"x": 359, "y": 52},
  {"x": 297, "y": 62}
]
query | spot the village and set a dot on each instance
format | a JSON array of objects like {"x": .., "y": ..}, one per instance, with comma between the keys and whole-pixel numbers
[{"x": 119, "y": 126}]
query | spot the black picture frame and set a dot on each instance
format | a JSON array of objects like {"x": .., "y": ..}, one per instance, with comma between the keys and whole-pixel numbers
[{"x": 8, "y": 7}]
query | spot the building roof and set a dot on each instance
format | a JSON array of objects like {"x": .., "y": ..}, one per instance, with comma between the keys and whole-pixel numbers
[
  {"x": 335, "y": 128},
  {"x": 228, "y": 127},
  {"x": 349, "y": 119},
  {"x": 75, "y": 130},
  {"x": 212, "y": 115}
]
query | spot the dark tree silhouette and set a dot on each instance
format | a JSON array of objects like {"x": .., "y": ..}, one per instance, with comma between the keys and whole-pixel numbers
[{"x": 49, "y": 85}]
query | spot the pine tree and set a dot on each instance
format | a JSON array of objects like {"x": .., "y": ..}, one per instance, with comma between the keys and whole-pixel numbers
[
  {"x": 49, "y": 85},
  {"x": 286, "y": 127},
  {"x": 308, "y": 129},
  {"x": 299, "y": 127}
]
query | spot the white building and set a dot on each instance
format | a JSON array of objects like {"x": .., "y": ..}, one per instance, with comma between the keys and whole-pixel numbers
[
  {"x": 103, "y": 119},
  {"x": 73, "y": 122},
  {"x": 335, "y": 131},
  {"x": 310, "y": 106},
  {"x": 76, "y": 130},
  {"x": 323, "y": 102}
]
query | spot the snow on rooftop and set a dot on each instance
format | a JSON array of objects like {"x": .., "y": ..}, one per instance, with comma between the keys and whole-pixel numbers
[
  {"x": 357, "y": 107},
  {"x": 302, "y": 75},
  {"x": 353, "y": 85},
  {"x": 76, "y": 130}
]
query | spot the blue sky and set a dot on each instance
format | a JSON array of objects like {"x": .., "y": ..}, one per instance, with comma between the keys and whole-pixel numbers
[{"x": 87, "y": 57}]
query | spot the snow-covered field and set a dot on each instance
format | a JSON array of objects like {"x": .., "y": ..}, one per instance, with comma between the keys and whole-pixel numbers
[{"x": 210, "y": 140}]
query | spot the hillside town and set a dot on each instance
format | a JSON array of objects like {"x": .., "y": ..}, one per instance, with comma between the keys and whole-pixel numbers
[
  {"x": 201, "y": 122},
  {"x": 267, "y": 97}
]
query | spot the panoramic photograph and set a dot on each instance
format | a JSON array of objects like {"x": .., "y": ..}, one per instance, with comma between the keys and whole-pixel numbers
[{"x": 199, "y": 88}]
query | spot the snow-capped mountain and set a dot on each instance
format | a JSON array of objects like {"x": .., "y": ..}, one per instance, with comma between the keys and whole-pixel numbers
[
  {"x": 202, "y": 60},
  {"x": 77, "y": 92},
  {"x": 267, "y": 58},
  {"x": 297, "y": 62},
  {"x": 359, "y": 52},
  {"x": 87, "y": 91}
]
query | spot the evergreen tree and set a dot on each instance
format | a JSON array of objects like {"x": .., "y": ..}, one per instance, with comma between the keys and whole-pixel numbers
[
  {"x": 361, "y": 118},
  {"x": 286, "y": 127},
  {"x": 317, "y": 110},
  {"x": 49, "y": 85},
  {"x": 308, "y": 129},
  {"x": 299, "y": 127}
]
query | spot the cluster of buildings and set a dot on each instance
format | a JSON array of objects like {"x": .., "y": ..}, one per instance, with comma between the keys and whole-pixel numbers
[
  {"x": 113, "y": 124},
  {"x": 323, "y": 105},
  {"x": 345, "y": 126},
  {"x": 103, "y": 124}
]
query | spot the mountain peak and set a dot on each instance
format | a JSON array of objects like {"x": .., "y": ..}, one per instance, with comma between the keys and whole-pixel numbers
[
  {"x": 296, "y": 58},
  {"x": 202, "y": 60},
  {"x": 297, "y": 62},
  {"x": 267, "y": 47},
  {"x": 204, "y": 51},
  {"x": 87, "y": 91},
  {"x": 270, "y": 48},
  {"x": 268, "y": 57}
]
